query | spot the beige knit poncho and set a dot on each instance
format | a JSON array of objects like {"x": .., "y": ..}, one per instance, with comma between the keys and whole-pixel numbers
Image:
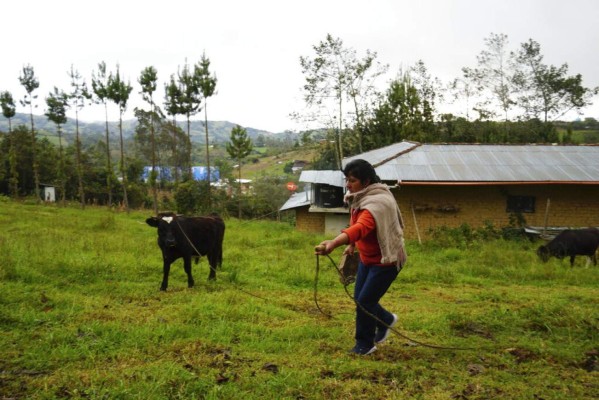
[{"x": 379, "y": 201}]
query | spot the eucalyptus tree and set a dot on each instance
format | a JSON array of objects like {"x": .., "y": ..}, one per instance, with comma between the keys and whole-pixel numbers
[
  {"x": 118, "y": 92},
  {"x": 30, "y": 82},
  {"x": 495, "y": 74},
  {"x": 207, "y": 85},
  {"x": 239, "y": 147},
  {"x": 463, "y": 90},
  {"x": 398, "y": 116},
  {"x": 335, "y": 75},
  {"x": 58, "y": 102},
  {"x": 8, "y": 111},
  {"x": 172, "y": 101},
  {"x": 147, "y": 80},
  {"x": 189, "y": 104},
  {"x": 430, "y": 92},
  {"x": 78, "y": 95},
  {"x": 547, "y": 90},
  {"x": 100, "y": 89}
]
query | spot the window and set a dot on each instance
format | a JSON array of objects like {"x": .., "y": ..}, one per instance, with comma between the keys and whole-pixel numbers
[{"x": 523, "y": 204}]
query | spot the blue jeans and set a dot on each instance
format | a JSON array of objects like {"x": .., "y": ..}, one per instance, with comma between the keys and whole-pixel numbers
[{"x": 372, "y": 282}]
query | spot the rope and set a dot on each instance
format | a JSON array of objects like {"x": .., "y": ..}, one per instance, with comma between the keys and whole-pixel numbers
[{"x": 395, "y": 331}]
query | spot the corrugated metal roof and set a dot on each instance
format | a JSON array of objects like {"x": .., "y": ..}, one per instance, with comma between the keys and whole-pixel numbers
[
  {"x": 334, "y": 178},
  {"x": 298, "y": 199},
  {"x": 473, "y": 163},
  {"x": 495, "y": 163},
  {"x": 380, "y": 156}
]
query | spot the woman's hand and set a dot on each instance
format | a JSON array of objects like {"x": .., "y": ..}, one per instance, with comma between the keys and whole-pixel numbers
[
  {"x": 350, "y": 249},
  {"x": 325, "y": 247}
]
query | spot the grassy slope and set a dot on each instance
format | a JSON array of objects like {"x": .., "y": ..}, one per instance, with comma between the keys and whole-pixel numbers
[
  {"x": 81, "y": 317},
  {"x": 274, "y": 165}
]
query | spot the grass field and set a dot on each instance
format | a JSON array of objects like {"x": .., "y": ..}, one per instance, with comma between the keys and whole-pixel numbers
[{"x": 81, "y": 317}]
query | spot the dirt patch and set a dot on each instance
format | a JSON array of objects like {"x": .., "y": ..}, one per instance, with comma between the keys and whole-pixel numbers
[
  {"x": 591, "y": 361},
  {"x": 522, "y": 355},
  {"x": 469, "y": 328}
]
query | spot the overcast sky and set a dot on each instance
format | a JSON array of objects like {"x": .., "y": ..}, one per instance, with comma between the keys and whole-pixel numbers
[{"x": 254, "y": 46}]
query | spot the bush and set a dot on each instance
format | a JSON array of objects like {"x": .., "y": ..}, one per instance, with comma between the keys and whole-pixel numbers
[
  {"x": 191, "y": 197},
  {"x": 137, "y": 197},
  {"x": 464, "y": 235}
]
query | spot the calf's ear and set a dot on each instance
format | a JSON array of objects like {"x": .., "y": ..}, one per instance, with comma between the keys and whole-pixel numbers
[{"x": 152, "y": 221}]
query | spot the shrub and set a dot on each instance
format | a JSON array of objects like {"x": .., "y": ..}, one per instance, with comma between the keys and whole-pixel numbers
[{"x": 190, "y": 196}]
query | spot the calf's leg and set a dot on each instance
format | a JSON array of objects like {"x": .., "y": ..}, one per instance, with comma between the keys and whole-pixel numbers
[
  {"x": 212, "y": 263},
  {"x": 187, "y": 267},
  {"x": 165, "y": 271}
]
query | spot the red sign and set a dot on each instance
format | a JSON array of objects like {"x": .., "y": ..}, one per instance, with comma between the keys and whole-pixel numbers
[{"x": 292, "y": 187}]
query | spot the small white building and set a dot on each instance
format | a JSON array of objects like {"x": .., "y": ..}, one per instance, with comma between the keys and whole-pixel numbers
[{"x": 48, "y": 193}]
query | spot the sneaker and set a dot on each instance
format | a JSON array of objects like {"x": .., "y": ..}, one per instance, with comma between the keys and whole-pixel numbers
[
  {"x": 363, "y": 351},
  {"x": 383, "y": 334}
]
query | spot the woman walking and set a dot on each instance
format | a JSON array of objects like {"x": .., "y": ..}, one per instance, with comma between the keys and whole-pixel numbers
[{"x": 376, "y": 230}]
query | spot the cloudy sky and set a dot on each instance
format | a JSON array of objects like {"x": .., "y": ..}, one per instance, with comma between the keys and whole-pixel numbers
[{"x": 254, "y": 46}]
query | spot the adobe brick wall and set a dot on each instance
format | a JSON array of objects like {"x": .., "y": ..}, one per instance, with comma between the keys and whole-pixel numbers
[
  {"x": 570, "y": 205},
  {"x": 309, "y": 222}
]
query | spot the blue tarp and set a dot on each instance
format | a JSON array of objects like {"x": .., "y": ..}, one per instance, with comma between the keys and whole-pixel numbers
[
  {"x": 167, "y": 174},
  {"x": 201, "y": 173}
]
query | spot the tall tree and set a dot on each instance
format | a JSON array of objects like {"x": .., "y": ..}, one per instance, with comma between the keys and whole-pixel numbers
[
  {"x": 336, "y": 75},
  {"x": 172, "y": 101},
  {"x": 430, "y": 91},
  {"x": 100, "y": 89},
  {"x": 239, "y": 147},
  {"x": 548, "y": 90},
  {"x": 8, "y": 111},
  {"x": 147, "y": 80},
  {"x": 462, "y": 89},
  {"x": 495, "y": 72},
  {"x": 361, "y": 89},
  {"x": 399, "y": 115},
  {"x": 58, "y": 102},
  {"x": 118, "y": 92},
  {"x": 207, "y": 85},
  {"x": 78, "y": 95},
  {"x": 189, "y": 104},
  {"x": 31, "y": 83}
]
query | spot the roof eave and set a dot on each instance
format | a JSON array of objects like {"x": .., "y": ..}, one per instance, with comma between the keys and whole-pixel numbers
[{"x": 494, "y": 183}]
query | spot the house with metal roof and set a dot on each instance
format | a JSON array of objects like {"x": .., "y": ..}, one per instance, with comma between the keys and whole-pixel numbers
[{"x": 454, "y": 184}]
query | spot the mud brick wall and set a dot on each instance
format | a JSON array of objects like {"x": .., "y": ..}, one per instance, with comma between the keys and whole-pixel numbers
[
  {"x": 433, "y": 206},
  {"x": 309, "y": 222}
]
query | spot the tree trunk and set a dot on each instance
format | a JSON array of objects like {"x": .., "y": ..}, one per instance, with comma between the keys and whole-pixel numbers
[
  {"x": 207, "y": 154},
  {"x": 108, "y": 163},
  {"x": 190, "y": 176},
  {"x": 340, "y": 132},
  {"x": 78, "y": 160},
  {"x": 36, "y": 175},
  {"x": 122, "y": 166},
  {"x": 12, "y": 160},
  {"x": 175, "y": 151},
  {"x": 239, "y": 191},
  {"x": 153, "y": 173}
]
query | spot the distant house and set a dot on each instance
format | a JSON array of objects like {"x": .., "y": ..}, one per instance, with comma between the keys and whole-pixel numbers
[
  {"x": 453, "y": 184},
  {"x": 298, "y": 165}
]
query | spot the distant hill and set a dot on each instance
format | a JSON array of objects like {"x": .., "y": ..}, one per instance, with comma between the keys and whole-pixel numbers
[{"x": 91, "y": 132}]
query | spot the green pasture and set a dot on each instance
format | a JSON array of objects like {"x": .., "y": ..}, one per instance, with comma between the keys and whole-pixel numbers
[{"x": 81, "y": 317}]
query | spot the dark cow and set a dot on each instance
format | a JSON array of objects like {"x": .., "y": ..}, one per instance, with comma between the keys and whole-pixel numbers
[
  {"x": 188, "y": 237},
  {"x": 570, "y": 243}
]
